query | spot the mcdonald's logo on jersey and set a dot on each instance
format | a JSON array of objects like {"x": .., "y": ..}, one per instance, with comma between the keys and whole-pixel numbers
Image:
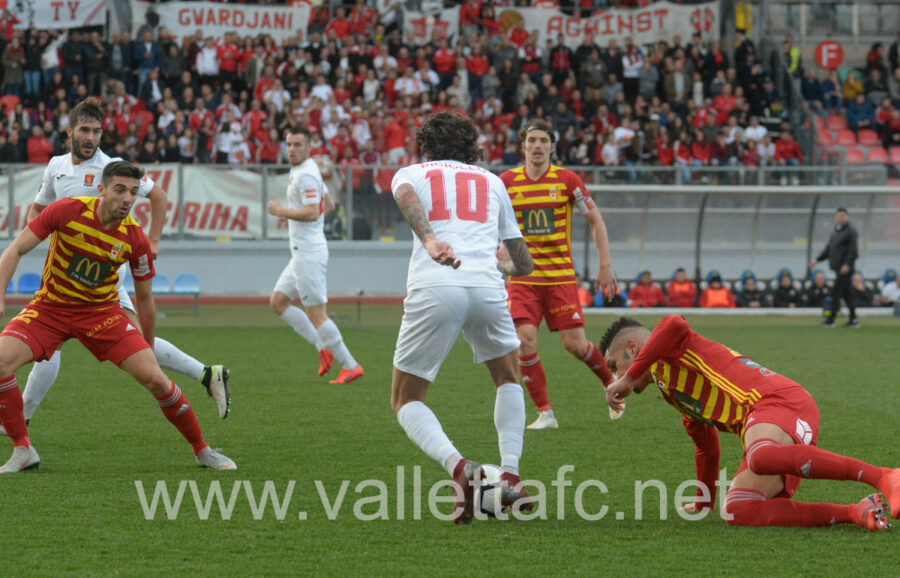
[
  {"x": 87, "y": 271},
  {"x": 89, "y": 180},
  {"x": 538, "y": 221}
]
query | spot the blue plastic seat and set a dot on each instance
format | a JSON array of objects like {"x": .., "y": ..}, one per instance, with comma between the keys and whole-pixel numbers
[
  {"x": 161, "y": 285},
  {"x": 129, "y": 284},
  {"x": 189, "y": 284},
  {"x": 29, "y": 283}
]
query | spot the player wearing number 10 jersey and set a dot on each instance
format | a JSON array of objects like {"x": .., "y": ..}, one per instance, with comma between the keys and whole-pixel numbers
[
  {"x": 543, "y": 196},
  {"x": 457, "y": 212}
]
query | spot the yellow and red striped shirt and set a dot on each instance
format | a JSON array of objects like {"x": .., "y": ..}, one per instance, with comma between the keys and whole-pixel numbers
[
  {"x": 544, "y": 212},
  {"x": 84, "y": 257},
  {"x": 705, "y": 380}
]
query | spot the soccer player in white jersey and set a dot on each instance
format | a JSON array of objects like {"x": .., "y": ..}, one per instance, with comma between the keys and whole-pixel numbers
[
  {"x": 458, "y": 213},
  {"x": 77, "y": 174},
  {"x": 305, "y": 275}
]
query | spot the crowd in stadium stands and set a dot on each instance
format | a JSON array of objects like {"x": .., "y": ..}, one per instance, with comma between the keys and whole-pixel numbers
[
  {"x": 748, "y": 291},
  {"x": 362, "y": 88}
]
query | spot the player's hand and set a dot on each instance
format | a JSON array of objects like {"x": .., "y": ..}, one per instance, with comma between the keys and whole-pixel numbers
[
  {"x": 273, "y": 206},
  {"x": 154, "y": 248},
  {"x": 441, "y": 252},
  {"x": 845, "y": 269},
  {"x": 695, "y": 508},
  {"x": 812, "y": 265},
  {"x": 618, "y": 391},
  {"x": 606, "y": 282},
  {"x": 502, "y": 254}
]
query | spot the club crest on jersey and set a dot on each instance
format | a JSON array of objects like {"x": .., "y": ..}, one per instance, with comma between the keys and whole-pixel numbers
[
  {"x": 553, "y": 192},
  {"x": 89, "y": 180},
  {"x": 116, "y": 249}
]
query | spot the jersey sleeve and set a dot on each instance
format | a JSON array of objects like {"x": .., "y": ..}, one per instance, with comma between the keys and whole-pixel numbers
[
  {"x": 581, "y": 198},
  {"x": 508, "y": 226},
  {"x": 141, "y": 258},
  {"x": 50, "y": 218},
  {"x": 667, "y": 340},
  {"x": 145, "y": 186},
  {"x": 46, "y": 192},
  {"x": 402, "y": 177},
  {"x": 310, "y": 192}
]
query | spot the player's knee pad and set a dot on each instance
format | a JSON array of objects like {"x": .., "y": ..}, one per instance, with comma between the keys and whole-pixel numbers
[
  {"x": 742, "y": 506},
  {"x": 759, "y": 455}
]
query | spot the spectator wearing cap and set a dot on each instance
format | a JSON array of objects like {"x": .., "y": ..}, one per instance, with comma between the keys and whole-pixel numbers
[{"x": 716, "y": 295}]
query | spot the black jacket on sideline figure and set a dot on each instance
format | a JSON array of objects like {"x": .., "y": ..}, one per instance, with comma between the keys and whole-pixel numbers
[{"x": 841, "y": 249}]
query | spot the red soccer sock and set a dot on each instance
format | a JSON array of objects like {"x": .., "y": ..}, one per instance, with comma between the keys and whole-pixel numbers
[
  {"x": 11, "y": 412},
  {"x": 750, "y": 508},
  {"x": 180, "y": 413},
  {"x": 595, "y": 360},
  {"x": 767, "y": 457},
  {"x": 535, "y": 381}
]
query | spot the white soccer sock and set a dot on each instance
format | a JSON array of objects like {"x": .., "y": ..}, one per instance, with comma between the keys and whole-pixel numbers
[
  {"x": 423, "y": 428},
  {"x": 298, "y": 320},
  {"x": 170, "y": 357},
  {"x": 509, "y": 419},
  {"x": 331, "y": 337},
  {"x": 40, "y": 380}
]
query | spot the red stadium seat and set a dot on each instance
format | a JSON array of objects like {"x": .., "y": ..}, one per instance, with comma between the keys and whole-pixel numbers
[
  {"x": 854, "y": 156},
  {"x": 895, "y": 155},
  {"x": 10, "y": 101},
  {"x": 836, "y": 122},
  {"x": 869, "y": 138},
  {"x": 145, "y": 118},
  {"x": 878, "y": 155},
  {"x": 825, "y": 139},
  {"x": 846, "y": 138},
  {"x": 820, "y": 123}
]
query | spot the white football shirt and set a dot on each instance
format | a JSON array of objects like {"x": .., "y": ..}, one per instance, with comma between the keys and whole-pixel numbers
[
  {"x": 62, "y": 179},
  {"x": 307, "y": 188},
  {"x": 468, "y": 207}
]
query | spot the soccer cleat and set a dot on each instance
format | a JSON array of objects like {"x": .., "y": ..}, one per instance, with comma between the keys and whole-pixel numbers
[
  {"x": 215, "y": 380},
  {"x": 889, "y": 484},
  {"x": 210, "y": 458},
  {"x": 348, "y": 375},
  {"x": 22, "y": 459},
  {"x": 827, "y": 325},
  {"x": 852, "y": 323},
  {"x": 512, "y": 492},
  {"x": 869, "y": 514},
  {"x": 463, "y": 474},
  {"x": 326, "y": 360},
  {"x": 614, "y": 415},
  {"x": 545, "y": 420}
]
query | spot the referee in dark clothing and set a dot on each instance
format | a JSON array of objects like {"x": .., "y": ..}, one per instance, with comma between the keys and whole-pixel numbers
[{"x": 841, "y": 253}]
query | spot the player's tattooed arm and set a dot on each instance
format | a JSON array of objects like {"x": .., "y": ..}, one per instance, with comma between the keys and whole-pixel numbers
[
  {"x": 414, "y": 213},
  {"x": 520, "y": 262}
]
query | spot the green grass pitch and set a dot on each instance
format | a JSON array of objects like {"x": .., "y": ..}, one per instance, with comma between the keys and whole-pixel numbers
[{"x": 98, "y": 433}]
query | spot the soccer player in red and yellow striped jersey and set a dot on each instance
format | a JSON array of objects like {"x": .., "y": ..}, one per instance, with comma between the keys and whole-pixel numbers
[
  {"x": 543, "y": 196},
  {"x": 777, "y": 421},
  {"x": 90, "y": 238}
]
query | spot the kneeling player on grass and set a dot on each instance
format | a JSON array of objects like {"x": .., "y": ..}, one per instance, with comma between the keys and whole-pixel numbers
[
  {"x": 777, "y": 420},
  {"x": 458, "y": 210},
  {"x": 91, "y": 238}
]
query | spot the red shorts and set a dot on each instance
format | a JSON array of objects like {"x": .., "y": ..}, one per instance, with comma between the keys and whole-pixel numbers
[
  {"x": 793, "y": 410},
  {"x": 558, "y": 304},
  {"x": 104, "y": 330}
]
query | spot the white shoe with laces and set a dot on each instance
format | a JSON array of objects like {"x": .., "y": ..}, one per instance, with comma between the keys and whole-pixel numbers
[
  {"x": 215, "y": 379},
  {"x": 210, "y": 458},
  {"x": 22, "y": 459},
  {"x": 545, "y": 420}
]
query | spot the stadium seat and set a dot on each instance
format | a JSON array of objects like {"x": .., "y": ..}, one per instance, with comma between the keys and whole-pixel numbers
[
  {"x": 825, "y": 139},
  {"x": 189, "y": 284},
  {"x": 820, "y": 123},
  {"x": 854, "y": 156},
  {"x": 836, "y": 122},
  {"x": 11, "y": 288},
  {"x": 869, "y": 138},
  {"x": 161, "y": 285},
  {"x": 878, "y": 155},
  {"x": 29, "y": 283},
  {"x": 846, "y": 138},
  {"x": 145, "y": 118},
  {"x": 895, "y": 155}
]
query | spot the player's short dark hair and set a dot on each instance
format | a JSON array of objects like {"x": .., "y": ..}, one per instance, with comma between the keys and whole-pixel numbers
[
  {"x": 295, "y": 130},
  {"x": 87, "y": 109},
  {"x": 537, "y": 124},
  {"x": 614, "y": 330},
  {"x": 449, "y": 137},
  {"x": 121, "y": 169}
]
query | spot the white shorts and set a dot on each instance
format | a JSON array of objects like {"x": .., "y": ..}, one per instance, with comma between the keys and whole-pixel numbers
[
  {"x": 305, "y": 277},
  {"x": 433, "y": 318},
  {"x": 124, "y": 297}
]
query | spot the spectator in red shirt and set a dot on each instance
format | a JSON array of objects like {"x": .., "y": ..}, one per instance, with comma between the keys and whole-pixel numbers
[
  {"x": 788, "y": 154},
  {"x": 229, "y": 56},
  {"x": 700, "y": 150},
  {"x": 361, "y": 17},
  {"x": 646, "y": 293},
  {"x": 681, "y": 291},
  {"x": 394, "y": 138},
  {"x": 665, "y": 153},
  {"x": 340, "y": 25},
  {"x": 39, "y": 147},
  {"x": 477, "y": 65},
  {"x": 444, "y": 64}
]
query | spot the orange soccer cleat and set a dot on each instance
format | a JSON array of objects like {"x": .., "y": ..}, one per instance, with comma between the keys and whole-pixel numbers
[
  {"x": 348, "y": 375},
  {"x": 326, "y": 360},
  {"x": 889, "y": 484},
  {"x": 869, "y": 513}
]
